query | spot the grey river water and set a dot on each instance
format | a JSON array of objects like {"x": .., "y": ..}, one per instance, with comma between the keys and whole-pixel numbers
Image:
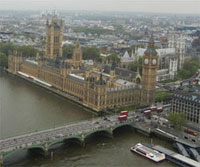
[{"x": 25, "y": 107}]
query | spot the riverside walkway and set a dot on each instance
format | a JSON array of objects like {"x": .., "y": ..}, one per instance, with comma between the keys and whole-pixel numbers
[{"x": 77, "y": 132}]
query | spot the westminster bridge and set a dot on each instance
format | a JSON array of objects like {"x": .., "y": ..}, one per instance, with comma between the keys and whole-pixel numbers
[{"x": 42, "y": 141}]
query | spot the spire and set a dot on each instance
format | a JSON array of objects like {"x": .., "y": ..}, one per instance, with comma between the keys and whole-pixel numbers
[
  {"x": 113, "y": 65},
  {"x": 47, "y": 22},
  {"x": 54, "y": 18},
  {"x": 126, "y": 55},
  {"x": 101, "y": 81},
  {"x": 138, "y": 70},
  {"x": 151, "y": 46},
  {"x": 37, "y": 56},
  {"x": 151, "y": 42},
  {"x": 132, "y": 54},
  {"x": 135, "y": 49},
  {"x": 77, "y": 43}
]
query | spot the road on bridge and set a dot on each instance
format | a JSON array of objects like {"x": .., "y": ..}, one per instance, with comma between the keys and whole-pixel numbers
[{"x": 44, "y": 136}]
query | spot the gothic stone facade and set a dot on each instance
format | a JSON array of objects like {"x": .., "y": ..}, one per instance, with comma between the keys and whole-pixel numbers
[{"x": 89, "y": 86}]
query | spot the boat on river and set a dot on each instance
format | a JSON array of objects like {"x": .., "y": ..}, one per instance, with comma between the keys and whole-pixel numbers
[{"x": 148, "y": 152}]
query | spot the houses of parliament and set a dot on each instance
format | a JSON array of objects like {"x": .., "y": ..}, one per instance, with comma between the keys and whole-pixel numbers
[{"x": 92, "y": 86}]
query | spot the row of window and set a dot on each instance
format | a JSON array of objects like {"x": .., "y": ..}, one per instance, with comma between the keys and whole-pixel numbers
[
  {"x": 182, "y": 102},
  {"x": 74, "y": 88},
  {"x": 193, "y": 117}
]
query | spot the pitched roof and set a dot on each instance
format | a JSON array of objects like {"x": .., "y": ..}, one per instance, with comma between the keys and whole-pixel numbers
[{"x": 126, "y": 58}]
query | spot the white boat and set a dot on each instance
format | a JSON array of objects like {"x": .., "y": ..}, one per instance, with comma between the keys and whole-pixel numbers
[{"x": 148, "y": 152}]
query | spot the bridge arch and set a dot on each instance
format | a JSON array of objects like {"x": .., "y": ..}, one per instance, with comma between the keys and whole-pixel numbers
[
  {"x": 101, "y": 132},
  {"x": 76, "y": 140},
  {"x": 10, "y": 153},
  {"x": 37, "y": 149},
  {"x": 122, "y": 126},
  {"x": 73, "y": 139}
]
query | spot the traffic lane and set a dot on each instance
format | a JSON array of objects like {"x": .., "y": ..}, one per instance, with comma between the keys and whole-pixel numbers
[{"x": 52, "y": 133}]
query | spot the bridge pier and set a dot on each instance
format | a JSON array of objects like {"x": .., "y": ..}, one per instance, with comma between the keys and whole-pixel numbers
[
  {"x": 46, "y": 150},
  {"x": 83, "y": 140},
  {"x": 111, "y": 133},
  {"x": 52, "y": 155},
  {"x": 1, "y": 160}
]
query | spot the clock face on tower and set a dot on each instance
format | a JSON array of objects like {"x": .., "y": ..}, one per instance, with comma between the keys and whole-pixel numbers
[
  {"x": 154, "y": 61},
  {"x": 146, "y": 61}
]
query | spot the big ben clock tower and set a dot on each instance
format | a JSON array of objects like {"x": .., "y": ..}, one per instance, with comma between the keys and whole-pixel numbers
[{"x": 149, "y": 73}]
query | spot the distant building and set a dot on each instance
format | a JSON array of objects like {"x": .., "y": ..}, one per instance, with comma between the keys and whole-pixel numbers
[
  {"x": 187, "y": 101},
  {"x": 126, "y": 61},
  {"x": 179, "y": 43},
  {"x": 167, "y": 65},
  {"x": 54, "y": 38}
]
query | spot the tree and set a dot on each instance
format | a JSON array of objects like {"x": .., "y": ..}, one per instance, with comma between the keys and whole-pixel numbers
[
  {"x": 162, "y": 95},
  {"x": 189, "y": 68},
  {"x": 94, "y": 30},
  {"x": 3, "y": 60},
  {"x": 196, "y": 43},
  {"x": 43, "y": 42},
  {"x": 137, "y": 64},
  {"x": 27, "y": 51},
  {"x": 177, "y": 119},
  {"x": 113, "y": 58},
  {"x": 91, "y": 53},
  {"x": 68, "y": 51},
  {"x": 5, "y": 48}
]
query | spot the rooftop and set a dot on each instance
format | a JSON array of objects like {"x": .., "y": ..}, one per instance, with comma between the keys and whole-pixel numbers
[
  {"x": 177, "y": 156},
  {"x": 190, "y": 93},
  {"x": 160, "y": 52},
  {"x": 124, "y": 82}
]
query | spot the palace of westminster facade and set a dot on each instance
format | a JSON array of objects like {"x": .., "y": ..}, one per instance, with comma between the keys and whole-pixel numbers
[{"x": 90, "y": 86}]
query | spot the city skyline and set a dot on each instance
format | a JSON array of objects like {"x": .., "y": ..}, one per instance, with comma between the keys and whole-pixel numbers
[{"x": 155, "y": 6}]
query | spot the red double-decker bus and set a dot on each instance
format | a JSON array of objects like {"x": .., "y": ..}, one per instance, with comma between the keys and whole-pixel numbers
[
  {"x": 159, "y": 109},
  {"x": 191, "y": 132},
  {"x": 153, "y": 109},
  {"x": 124, "y": 113},
  {"x": 122, "y": 118},
  {"x": 147, "y": 113}
]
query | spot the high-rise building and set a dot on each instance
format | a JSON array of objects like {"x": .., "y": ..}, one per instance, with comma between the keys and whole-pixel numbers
[{"x": 187, "y": 100}]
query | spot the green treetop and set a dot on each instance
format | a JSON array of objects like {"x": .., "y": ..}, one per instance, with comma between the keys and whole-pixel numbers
[
  {"x": 91, "y": 53},
  {"x": 189, "y": 68},
  {"x": 178, "y": 120},
  {"x": 3, "y": 60}
]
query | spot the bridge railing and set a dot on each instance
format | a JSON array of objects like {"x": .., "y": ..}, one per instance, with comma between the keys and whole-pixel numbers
[{"x": 50, "y": 128}]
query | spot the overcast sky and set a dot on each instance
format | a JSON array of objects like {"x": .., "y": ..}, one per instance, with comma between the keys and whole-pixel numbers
[{"x": 158, "y": 6}]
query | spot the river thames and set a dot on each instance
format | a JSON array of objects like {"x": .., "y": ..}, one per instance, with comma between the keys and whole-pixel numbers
[{"x": 25, "y": 107}]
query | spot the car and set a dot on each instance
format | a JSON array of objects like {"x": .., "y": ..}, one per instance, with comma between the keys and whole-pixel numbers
[
  {"x": 172, "y": 126},
  {"x": 59, "y": 135},
  {"x": 137, "y": 120},
  {"x": 193, "y": 140},
  {"x": 136, "y": 116}
]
